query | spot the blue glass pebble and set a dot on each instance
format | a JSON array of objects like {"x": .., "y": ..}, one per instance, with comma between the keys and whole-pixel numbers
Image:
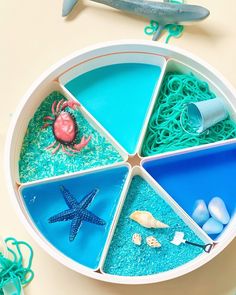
[
  {"x": 218, "y": 210},
  {"x": 200, "y": 212},
  {"x": 213, "y": 227}
]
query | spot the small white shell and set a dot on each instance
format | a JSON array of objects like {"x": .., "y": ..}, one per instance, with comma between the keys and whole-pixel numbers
[
  {"x": 147, "y": 220},
  {"x": 152, "y": 242},
  {"x": 137, "y": 239}
]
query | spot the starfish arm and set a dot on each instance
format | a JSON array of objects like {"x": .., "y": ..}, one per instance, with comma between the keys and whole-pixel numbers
[
  {"x": 92, "y": 218},
  {"x": 84, "y": 203},
  {"x": 75, "y": 225},
  {"x": 63, "y": 216},
  {"x": 69, "y": 198}
]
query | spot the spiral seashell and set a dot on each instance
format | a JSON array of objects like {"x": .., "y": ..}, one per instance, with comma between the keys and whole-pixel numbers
[
  {"x": 137, "y": 239},
  {"x": 152, "y": 242},
  {"x": 147, "y": 220}
]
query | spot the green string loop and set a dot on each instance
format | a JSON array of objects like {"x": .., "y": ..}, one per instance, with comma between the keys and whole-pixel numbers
[
  {"x": 149, "y": 30},
  {"x": 174, "y": 30}
]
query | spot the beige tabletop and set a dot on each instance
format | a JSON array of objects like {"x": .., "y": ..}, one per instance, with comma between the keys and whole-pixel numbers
[{"x": 33, "y": 37}]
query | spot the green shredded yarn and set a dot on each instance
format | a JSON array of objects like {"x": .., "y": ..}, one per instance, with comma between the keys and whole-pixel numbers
[
  {"x": 167, "y": 127},
  {"x": 15, "y": 268}
]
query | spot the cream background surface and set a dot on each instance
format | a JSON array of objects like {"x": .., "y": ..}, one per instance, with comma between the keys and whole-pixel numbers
[{"x": 33, "y": 37}]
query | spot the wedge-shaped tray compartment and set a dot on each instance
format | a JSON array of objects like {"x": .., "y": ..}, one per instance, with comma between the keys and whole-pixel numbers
[
  {"x": 165, "y": 132},
  {"x": 199, "y": 175},
  {"x": 45, "y": 199},
  {"x": 37, "y": 162},
  {"x": 127, "y": 259},
  {"x": 117, "y": 90}
]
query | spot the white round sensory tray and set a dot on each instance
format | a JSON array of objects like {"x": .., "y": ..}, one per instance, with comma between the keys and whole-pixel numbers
[{"x": 167, "y": 58}]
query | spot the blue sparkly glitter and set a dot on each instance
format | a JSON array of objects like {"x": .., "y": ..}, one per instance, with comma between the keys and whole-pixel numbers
[{"x": 77, "y": 212}]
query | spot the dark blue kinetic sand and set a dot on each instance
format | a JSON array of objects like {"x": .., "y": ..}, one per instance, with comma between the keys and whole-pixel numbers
[{"x": 43, "y": 200}]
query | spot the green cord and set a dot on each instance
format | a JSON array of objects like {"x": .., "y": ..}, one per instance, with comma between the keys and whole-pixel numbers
[
  {"x": 169, "y": 121},
  {"x": 149, "y": 30},
  {"x": 15, "y": 269},
  {"x": 174, "y": 30}
]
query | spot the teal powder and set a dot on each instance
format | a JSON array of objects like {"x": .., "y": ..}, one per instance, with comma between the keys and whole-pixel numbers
[
  {"x": 127, "y": 259},
  {"x": 118, "y": 96},
  {"x": 37, "y": 163}
]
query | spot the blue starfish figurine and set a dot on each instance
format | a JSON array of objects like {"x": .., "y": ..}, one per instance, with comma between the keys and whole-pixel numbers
[{"x": 77, "y": 212}]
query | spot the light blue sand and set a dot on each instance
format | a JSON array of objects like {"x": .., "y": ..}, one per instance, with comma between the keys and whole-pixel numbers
[
  {"x": 118, "y": 96},
  {"x": 45, "y": 200},
  {"x": 127, "y": 259}
]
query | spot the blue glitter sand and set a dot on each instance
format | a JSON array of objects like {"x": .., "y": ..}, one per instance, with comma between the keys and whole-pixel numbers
[
  {"x": 45, "y": 199},
  {"x": 118, "y": 96},
  {"x": 127, "y": 259},
  {"x": 34, "y": 158},
  {"x": 198, "y": 175}
]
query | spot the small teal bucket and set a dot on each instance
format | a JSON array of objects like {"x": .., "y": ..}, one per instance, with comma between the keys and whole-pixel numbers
[{"x": 204, "y": 114}]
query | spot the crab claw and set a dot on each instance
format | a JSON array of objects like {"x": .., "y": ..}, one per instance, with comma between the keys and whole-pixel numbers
[
  {"x": 71, "y": 104},
  {"x": 82, "y": 144}
]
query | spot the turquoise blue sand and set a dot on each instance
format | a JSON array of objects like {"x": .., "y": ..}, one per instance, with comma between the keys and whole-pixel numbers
[
  {"x": 127, "y": 259},
  {"x": 37, "y": 163},
  {"x": 45, "y": 200},
  {"x": 118, "y": 96}
]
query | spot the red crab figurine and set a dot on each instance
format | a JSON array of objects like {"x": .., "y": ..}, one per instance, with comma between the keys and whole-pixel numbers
[{"x": 65, "y": 128}]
